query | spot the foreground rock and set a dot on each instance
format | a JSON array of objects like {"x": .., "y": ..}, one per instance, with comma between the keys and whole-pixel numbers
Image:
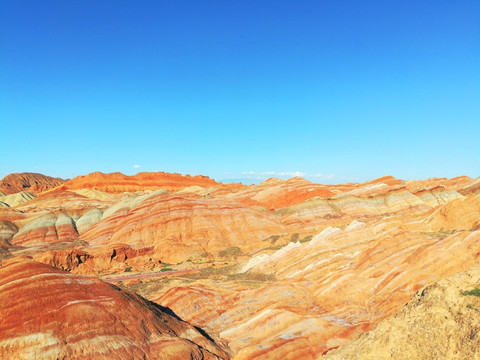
[
  {"x": 46, "y": 313},
  {"x": 322, "y": 293},
  {"x": 439, "y": 322}
]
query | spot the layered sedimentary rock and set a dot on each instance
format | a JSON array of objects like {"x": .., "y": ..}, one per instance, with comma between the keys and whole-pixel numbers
[
  {"x": 259, "y": 281},
  {"x": 47, "y": 229},
  {"x": 48, "y": 313},
  {"x": 388, "y": 180},
  {"x": 181, "y": 228},
  {"x": 440, "y": 322},
  {"x": 459, "y": 214},
  {"x": 7, "y": 230},
  {"x": 277, "y": 193},
  {"x": 366, "y": 202},
  {"x": 89, "y": 218},
  {"x": 472, "y": 188},
  {"x": 16, "y": 199},
  {"x": 96, "y": 194},
  {"x": 55, "y": 200},
  {"x": 118, "y": 182},
  {"x": 381, "y": 201},
  {"x": 52, "y": 217},
  {"x": 31, "y": 182},
  {"x": 325, "y": 292},
  {"x": 456, "y": 183}
]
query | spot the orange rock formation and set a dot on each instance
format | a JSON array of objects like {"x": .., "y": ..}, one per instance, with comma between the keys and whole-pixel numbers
[
  {"x": 324, "y": 292},
  {"x": 117, "y": 182},
  {"x": 48, "y": 313},
  {"x": 32, "y": 182},
  {"x": 284, "y": 269},
  {"x": 181, "y": 228},
  {"x": 277, "y": 193}
]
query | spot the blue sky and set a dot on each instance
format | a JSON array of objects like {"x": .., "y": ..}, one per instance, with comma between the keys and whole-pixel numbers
[{"x": 334, "y": 91}]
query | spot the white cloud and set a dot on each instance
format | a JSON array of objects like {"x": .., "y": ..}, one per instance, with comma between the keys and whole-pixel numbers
[
  {"x": 290, "y": 174},
  {"x": 258, "y": 176},
  {"x": 137, "y": 166},
  {"x": 275, "y": 173},
  {"x": 322, "y": 176}
]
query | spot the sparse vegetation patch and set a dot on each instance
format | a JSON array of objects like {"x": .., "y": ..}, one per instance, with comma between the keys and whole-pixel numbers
[
  {"x": 231, "y": 251},
  {"x": 474, "y": 292},
  {"x": 306, "y": 239}
]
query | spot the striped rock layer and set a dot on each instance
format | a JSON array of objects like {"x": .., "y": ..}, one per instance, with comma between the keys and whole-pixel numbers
[{"x": 46, "y": 313}]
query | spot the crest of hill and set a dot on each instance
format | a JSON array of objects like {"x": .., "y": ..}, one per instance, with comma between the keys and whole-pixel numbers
[
  {"x": 31, "y": 182},
  {"x": 388, "y": 180},
  {"x": 275, "y": 193},
  {"x": 118, "y": 182}
]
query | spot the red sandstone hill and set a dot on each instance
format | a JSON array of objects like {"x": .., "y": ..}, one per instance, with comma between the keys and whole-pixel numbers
[
  {"x": 46, "y": 313},
  {"x": 181, "y": 228},
  {"x": 118, "y": 182},
  {"x": 31, "y": 182},
  {"x": 277, "y": 193}
]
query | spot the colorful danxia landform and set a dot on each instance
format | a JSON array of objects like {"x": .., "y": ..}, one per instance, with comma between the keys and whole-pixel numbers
[{"x": 165, "y": 266}]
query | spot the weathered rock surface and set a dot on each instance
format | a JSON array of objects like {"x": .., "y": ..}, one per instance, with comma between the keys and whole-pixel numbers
[
  {"x": 31, "y": 182},
  {"x": 437, "y": 323},
  {"x": 99, "y": 260},
  {"x": 47, "y": 313}
]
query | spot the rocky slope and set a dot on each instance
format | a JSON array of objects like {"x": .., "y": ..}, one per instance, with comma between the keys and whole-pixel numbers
[
  {"x": 277, "y": 193},
  {"x": 459, "y": 214},
  {"x": 322, "y": 293},
  {"x": 52, "y": 217},
  {"x": 180, "y": 228},
  {"x": 16, "y": 199},
  {"x": 47, "y": 313},
  {"x": 439, "y": 322},
  {"x": 31, "y": 182}
]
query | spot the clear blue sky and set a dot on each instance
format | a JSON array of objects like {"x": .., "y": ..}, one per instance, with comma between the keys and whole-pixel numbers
[{"x": 332, "y": 90}]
